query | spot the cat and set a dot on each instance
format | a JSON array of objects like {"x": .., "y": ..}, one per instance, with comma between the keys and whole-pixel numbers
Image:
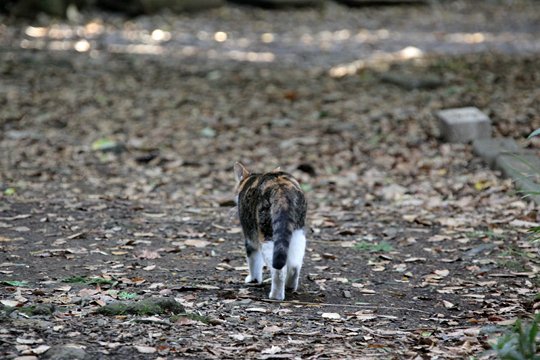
[{"x": 272, "y": 210}]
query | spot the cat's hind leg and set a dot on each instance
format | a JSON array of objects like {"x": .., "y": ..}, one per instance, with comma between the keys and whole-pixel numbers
[
  {"x": 295, "y": 258},
  {"x": 277, "y": 290},
  {"x": 255, "y": 264}
]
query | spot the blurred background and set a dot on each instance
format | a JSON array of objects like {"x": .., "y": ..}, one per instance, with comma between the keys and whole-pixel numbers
[{"x": 173, "y": 92}]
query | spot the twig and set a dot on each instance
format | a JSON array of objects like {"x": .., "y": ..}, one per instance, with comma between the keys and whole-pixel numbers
[{"x": 306, "y": 303}]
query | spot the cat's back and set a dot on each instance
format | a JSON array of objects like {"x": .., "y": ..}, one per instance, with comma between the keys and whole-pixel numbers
[{"x": 270, "y": 186}]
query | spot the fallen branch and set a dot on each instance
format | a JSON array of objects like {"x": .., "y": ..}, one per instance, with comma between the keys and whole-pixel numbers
[{"x": 307, "y": 303}]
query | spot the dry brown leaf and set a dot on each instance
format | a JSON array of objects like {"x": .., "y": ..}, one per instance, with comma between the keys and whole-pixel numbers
[
  {"x": 198, "y": 243},
  {"x": 145, "y": 349},
  {"x": 148, "y": 254}
]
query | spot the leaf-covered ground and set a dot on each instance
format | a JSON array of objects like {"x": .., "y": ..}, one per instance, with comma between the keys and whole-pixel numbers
[{"x": 116, "y": 179}]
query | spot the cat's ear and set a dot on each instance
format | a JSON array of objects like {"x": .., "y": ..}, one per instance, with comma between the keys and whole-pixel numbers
[
  {"x": 240, "y": 171},
  {"x": 278, "y": 169}
]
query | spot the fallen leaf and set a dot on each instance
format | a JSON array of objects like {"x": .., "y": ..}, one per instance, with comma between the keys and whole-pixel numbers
[
  {"x": 104, "y": 144},
  {"x": 143, "y": 234},
  {"x": 333, "y": 316},
  {"x": 234, "y": 230},
  {"x": 273, "y": 350},
  {"x": 28, "y": 341},
  {"x": 10, "y": 303},
  {"x": 448, "y": 304},
  {"x": 40, "y": 349},
  {"x": 196, "y": 243},
  {"x": 239, "y": 337},
  {"x": 118, "y": 253},
  {"x": 256, "y": 309},
  {"x": 271, "y": 329},
  {"x": 442, "y": 273},
  {"x": 21, "y": 229},
  {"x": 148, "y": 254},
  {"x": 145, "y": 349}
]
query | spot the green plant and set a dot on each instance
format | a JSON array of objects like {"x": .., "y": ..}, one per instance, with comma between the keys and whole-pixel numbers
[
  {"x": 484, "y": 233},
  {"x": 14, "y": 283},
  {"x": 519, "y": 343},
  {"x": 535, "y": 232},
  {"x": 514, "y": 258}
]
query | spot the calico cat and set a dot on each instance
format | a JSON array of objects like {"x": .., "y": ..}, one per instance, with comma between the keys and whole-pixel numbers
[{"x": 272, "y": 211}]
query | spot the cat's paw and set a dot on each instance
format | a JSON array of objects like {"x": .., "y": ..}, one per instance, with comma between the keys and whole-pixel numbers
[
  {"x": 276, "y": 295},
  {"x": 252, "y": 280},
  {"x": 291, "y": 285}
]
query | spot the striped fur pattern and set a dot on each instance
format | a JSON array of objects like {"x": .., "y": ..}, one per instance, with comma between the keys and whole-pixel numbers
[{"x": 272, "y": 211}]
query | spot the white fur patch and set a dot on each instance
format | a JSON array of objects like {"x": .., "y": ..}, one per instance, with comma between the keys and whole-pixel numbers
[
  {"x": 255, "y": 265},
  {"x": 277, "y": 290},
  {"x": 268, "y": 253},
  {"x": 297, "y": 248},
  {"x": 289, "y": 275}
]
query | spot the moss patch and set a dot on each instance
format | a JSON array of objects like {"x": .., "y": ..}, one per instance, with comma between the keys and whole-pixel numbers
[
  {"x": 32, "y": 310},
  {"x": 152, "y": 306},
  {"x": 88, "y": 280}
]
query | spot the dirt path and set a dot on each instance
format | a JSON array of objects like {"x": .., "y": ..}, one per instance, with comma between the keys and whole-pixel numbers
[{"x": 117, "y": 184}]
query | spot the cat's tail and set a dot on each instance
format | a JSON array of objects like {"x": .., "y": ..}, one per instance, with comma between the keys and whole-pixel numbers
[{"x": 282, "y": 228}]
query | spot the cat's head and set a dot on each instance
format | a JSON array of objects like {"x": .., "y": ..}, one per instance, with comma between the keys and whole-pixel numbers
[{"x": 241, "y": 173}]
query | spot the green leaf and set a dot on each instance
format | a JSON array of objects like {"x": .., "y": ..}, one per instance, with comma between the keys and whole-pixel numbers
[
  {"x": 534, "y": 133},
  {"x": 126, "y": 295},
  {"x": 208, "y": 132},
  {"x": 10, "y": 191},
  {"x": 519, "y": 342},
  {"x": 533, "y": 331},
  {"x": 104, "y": 144},
  {"x": 15, "y": 283}
]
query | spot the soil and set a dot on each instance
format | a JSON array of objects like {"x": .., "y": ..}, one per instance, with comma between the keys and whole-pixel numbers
[{"x": 117, "y": 185}]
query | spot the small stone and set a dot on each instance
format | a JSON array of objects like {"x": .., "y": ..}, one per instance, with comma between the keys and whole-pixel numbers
[
  {"x": 463, "y": 125},
  {"x": 67, "y": 352}
]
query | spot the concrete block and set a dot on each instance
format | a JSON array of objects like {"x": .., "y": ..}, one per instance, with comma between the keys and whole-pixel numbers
[
  {"x": 490, "y": 149},
  {"x": 524, "y": 170},
  {"x": 463, "y": 125}
]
